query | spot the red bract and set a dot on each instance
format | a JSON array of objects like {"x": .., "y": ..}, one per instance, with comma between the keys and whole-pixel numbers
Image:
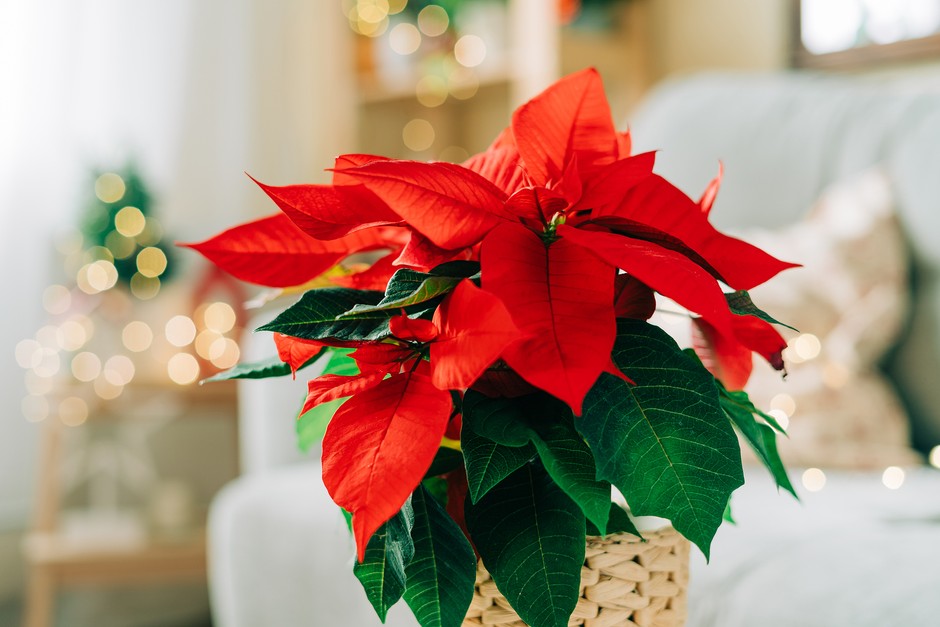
[{"x": 569, "y": 233}]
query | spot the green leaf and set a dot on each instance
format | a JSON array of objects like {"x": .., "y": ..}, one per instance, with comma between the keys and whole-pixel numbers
[
  {"x": 728, "y": 516},
  {"x": 406, "y": 288},
  {"x": 488, "y": 462},
  {"x": 740, "y": 303},
  {"x": 618, "y": 521},
  {"x": 442, "y": 573},
  {"x": 390, "y": 550},
  {"x": 760, "y": 437},
  {"x": 530, "y": 535},
  {"x": 664, "y": 442},
  {"x": 312, "y": 425},
  {"x": 437, "y": 487},
  {"x": 502, "y": 420},
  {"x": 264, "y": 369},
  {"x": 570, "y": 462},
  {"x": 445, "y": 460},
  {"x": 314, "y": 316}
]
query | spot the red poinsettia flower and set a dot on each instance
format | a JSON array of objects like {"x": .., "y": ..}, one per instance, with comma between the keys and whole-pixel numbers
[{"x": 571, "y": 232}]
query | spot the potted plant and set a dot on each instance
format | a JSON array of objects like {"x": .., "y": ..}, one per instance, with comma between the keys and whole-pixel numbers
[{"x": 499, "y": 366}]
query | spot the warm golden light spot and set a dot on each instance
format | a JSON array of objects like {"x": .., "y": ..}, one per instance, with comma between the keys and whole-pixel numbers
[
  {"x": 28, "y": 353},
  {"x": 137, "y": 336},
  {"x": 121, "y": 247},
  {"x": 56, "y": 299},
  {"x": 219, "y": 317},
  {"x": 107, "y": 390},
  {"x": 143, "y": 287},
  {"x": 418, "y": 135},
  {"x": 814, "y": 479},
  {"x": 224, "y": 353},
  {"x": 935, "y": 456},
  {"x": 204, "y": 342},
  {"x": 81, "y": 279},
  {"x": 783, "y": 402},
  {"x": 781, "y": 417},
  {"x": 35, "y": 408},
  {"x": 119, "y": 370},
  {"x": 807, "y": 346},
  {"x": 433, "y": 20},
  {"x": 151, "y": 262},
  {"x": 97, "y": 253},
  {"x": 48, "y": 336},
  {"x": 431, "y": 91},
  {"x": 454, "y": 154},
  {"x": 396, "y": 6},
  {"x": 470, "y": 51},
  {"x": 180, "y": 331},
  {"x": 893, "y": 477},
  {"x": 183, "y": 368},
  {"x": 73, "y": 411},
  {"x": 86, "y": 366},
  {"x": 130, "y": 221},
  {"x": 109, "y": 187},
  {"x": 101, "y": 275},
  {"x": 372, "y": 11},
  {"x": 404, "y": 38}
]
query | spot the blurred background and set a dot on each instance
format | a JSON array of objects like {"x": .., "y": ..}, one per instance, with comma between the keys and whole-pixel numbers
[{"x": 127, "y": 126}]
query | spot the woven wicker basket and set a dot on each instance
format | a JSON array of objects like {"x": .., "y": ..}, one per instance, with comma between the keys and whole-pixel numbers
[{"x": 624, "y": 583}]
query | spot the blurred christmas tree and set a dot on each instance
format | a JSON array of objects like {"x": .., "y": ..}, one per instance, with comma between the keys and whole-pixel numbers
[{"x": 122, "y": 241}]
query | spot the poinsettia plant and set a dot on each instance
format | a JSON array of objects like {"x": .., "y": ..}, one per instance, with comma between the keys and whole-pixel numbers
[{"x": 497, "y": 360}]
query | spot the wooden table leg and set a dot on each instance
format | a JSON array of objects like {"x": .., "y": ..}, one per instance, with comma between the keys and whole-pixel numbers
[{"x": 40, "y": 598}]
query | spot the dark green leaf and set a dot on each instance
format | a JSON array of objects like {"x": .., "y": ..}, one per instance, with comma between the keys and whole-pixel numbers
[
  {"x": 314, "y": 316},
  {"x": 530, "y": 535},
  {"x": 406, "y": 288},
  {"x": 664, "y": 442},
  {"x": 265, "y": 369},
  {"x": 437, "y": 486},
  {"x": 761, "y": 438},
  {"x": 443, "y": 571},
  {"x": 462, "y": 269},
  {"x": 740, "y": 303},
  {"x": 488, "y": 462},
  {"x": 570, "y": 462},
  {"x": 390, "y": 550},
  {"x": 445, "y": 460},
  {"x": 502, "y": 420},
  {"x": 618, "y": 522}
]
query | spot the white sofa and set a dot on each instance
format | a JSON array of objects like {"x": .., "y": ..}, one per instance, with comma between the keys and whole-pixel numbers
[{"x": 855, "y": 554}]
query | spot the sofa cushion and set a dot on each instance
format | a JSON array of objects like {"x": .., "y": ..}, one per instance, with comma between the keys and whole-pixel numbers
[{"x": 783, "y": 139}]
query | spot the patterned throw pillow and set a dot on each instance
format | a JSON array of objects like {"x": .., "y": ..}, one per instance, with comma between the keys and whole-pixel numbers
[{"x": 849, "y": 300}]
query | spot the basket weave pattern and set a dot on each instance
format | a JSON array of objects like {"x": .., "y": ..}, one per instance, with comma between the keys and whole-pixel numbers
[{"x": 624, "y": 583}]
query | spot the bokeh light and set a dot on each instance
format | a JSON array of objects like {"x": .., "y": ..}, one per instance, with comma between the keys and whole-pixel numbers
[
  {"x": 28, "y": 353},
  {"x": 151, "y": 262},
  {"x": 137, "y": 336},
  {"x": 893, "y": 477},
  {"x": 109, "y": 187},
  {"x": 219, "y": 317},
  {"x": 119, "y": 370},
  {"x": 431, "y": 91},
  {"x": 180, "y": 330},
  {"x": 183, "y": 368},
  {"x": 86, "y": 366},
  {"x": 143, "y": 287},
  {"x": 56, "y": 299},
  {"x": 224, "y": 353},
  {"x": 418, "y": 135},
  {"x": 814, "y": 479},
  {"x": 470, "y": 51},
  {"x": 130, "y": 221},
  {"x": 404, "y": 38},
  {"x": 433, "y": 20},
  {"x": 73, "y": 411},
  {"x": 935, "y": 456}
]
